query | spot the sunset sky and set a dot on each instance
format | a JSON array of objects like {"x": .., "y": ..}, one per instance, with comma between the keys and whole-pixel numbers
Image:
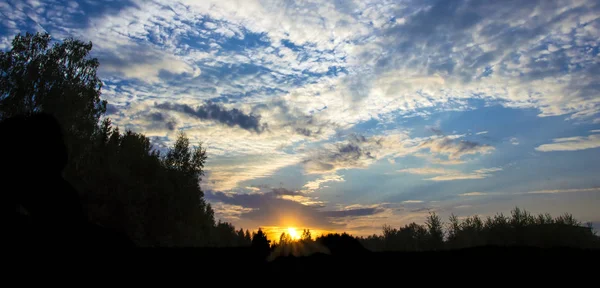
[{"x": 347, "y": 115}]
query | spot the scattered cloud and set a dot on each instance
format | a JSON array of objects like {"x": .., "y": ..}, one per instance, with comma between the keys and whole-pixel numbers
[
  {"x": 481, "y": 133},
  {"x": 514, "y": 141},
  {"x": 571, "y": 144}
]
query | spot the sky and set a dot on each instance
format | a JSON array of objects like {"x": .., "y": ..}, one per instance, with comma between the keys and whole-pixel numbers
[{"x": 348, "y": 115}]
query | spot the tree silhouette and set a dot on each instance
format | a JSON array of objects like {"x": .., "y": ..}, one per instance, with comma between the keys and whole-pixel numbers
[
  {"x": 306, "y": 236},
  {"x": 59, "y": 79},
  {"x": 247, "y": 238},
  {"x": 285, "y": 239},
  {"x": 260, "y": 240},
  {"x": 261, "y": 244},
  {"x": 520, "y": 229},
  {"x": 435, "y": 231}
]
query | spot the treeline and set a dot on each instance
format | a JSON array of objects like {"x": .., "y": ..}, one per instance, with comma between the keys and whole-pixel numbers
[{"x": 519, "y": 229}]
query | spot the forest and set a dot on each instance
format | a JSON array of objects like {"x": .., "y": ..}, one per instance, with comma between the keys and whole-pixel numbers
[{"x": 154, "y": 197}]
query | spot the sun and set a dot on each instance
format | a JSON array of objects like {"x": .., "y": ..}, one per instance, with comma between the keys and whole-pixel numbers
[{"x": 293, "y": 233}]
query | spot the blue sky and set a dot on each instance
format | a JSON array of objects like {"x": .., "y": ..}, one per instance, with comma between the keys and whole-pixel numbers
[{"x": 347, "y": 115}]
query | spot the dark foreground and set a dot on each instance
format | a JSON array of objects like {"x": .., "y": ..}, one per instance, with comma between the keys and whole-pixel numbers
[
  {"x": 482, "y": 266},
  {"x": 516, "y": 259}
]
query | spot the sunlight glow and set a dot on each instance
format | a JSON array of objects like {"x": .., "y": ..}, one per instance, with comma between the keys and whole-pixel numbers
[{"x": 293, "y": 233}]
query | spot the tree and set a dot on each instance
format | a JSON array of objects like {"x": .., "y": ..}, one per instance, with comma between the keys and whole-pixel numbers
[
  {"x": 306, "y": 236},
  {"x": 435, "y": 230},
  {"x": 261, "y": 244},
  {"x": 59, "y": 79},
  {"x": 260, "y": 240},
  {"x": 285, "y": 239},
  {"x": 247, "y": 238},
  {"x": 185, "y": 160}
]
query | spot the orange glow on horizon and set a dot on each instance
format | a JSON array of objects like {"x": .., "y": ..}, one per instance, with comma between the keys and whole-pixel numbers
[{"x": 274, "y": 232}]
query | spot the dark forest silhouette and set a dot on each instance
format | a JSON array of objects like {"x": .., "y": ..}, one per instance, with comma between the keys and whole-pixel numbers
[{"x": 72, "y": 178}]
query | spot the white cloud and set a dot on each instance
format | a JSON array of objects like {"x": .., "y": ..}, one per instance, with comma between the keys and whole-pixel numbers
[
  {"x": 473, "y": 194},
  {"x": 311, "y": 186},
  {"x": 225, "y": 173},
  {"x": 150, "y": 68},
  {"x": 228, "y": 212},
  {"x": 450, "y": 174},
  {"x": 571, "y": 144},
  {"x": 481, "y": 133},
  {"x": 557, "y": 191},
  {"x": 425, "y": 171},
  {"x": 453, "y": 149}
]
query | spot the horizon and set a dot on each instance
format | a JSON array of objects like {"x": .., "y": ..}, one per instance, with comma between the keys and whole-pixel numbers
[{"x": 344, "y": 116}]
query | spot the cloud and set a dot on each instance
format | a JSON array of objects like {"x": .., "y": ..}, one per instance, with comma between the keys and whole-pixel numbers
[
  {"x": 216, "y": 112},
  {"x": 449, "y": 174},
  {"x": 497, "y": 52},
  {"x": 473, "y": 194},
  {"x": 455, "y": 149},
  {"x": 228, "y": 211},
  {"x": 357, "y": 152},
  {"x": 284, "y": 118},
  {"x": 557, "y": 191},
  {"x": 571, "y": 144},
  {"x": 435, "y": 128},
  {"x": 269, "y": 209},
  {"x": 351, "y": 213},
  {"x": 412, "y": 201},
  {"x": 283, "y": 191},
  {"x": 425, "y": 171},
  {"x": 317, "y": 184},
  {"x": 481, "y": 133},
  {"x": 514, "y": 141},
  {"x": 226, "y": 172},
  {"x": 137, "y": 61},
  {"x": 161, "y": 119},
  {"x": 536, "y": 192}
]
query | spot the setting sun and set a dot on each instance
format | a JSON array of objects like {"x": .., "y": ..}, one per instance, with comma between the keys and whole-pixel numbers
[{"x": 293, "y": 233}]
